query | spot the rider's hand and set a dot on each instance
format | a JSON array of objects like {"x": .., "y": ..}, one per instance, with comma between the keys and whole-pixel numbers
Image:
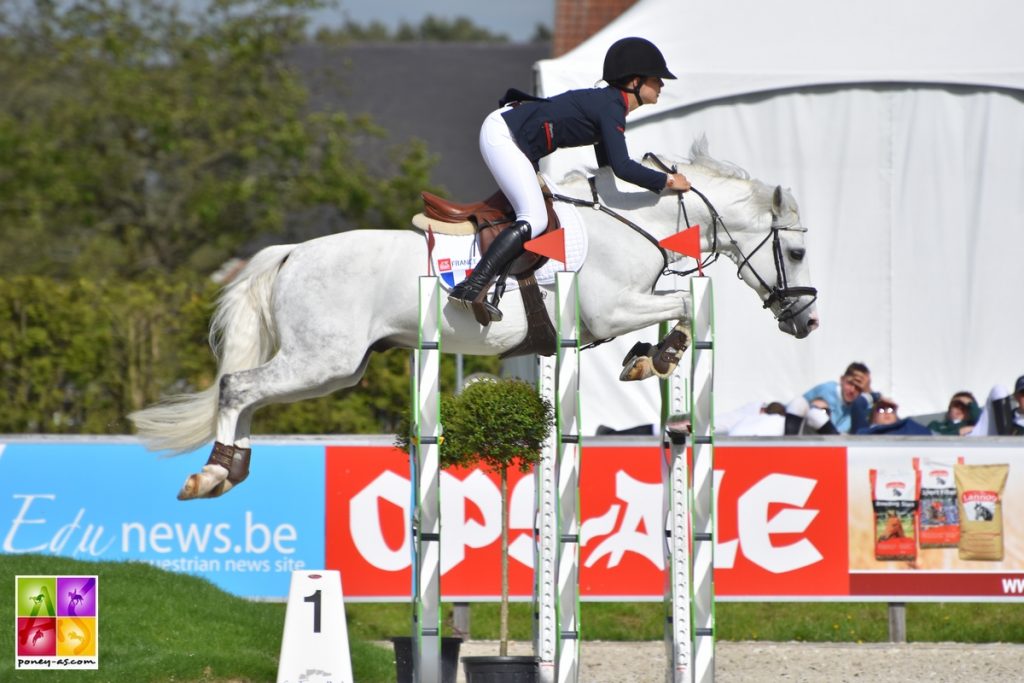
[{"x": 677, "y": 182}]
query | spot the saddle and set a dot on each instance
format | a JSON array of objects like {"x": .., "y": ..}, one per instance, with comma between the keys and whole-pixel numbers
[{"x": 489, "y": 217}]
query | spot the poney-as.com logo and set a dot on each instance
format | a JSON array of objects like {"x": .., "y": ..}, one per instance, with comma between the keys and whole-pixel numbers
[{"x": 57, "y": 622}]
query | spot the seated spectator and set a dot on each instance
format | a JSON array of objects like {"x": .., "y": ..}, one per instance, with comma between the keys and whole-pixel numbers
[
  {"x": 886, "y": 420},
  {"x": 961, "y": 416},
  {"x": 1003, "y": 413},
  {"x": 973, "y": 409},
  {"x": 849, "y": 399},
  {"x": 1013, "y": 425},
  {"x": 769, "y": 420},
  {"x": 814, "y": 417}
]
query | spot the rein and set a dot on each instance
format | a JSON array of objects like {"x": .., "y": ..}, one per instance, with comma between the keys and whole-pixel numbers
[
  {"x": 596, "y": 205},
  {"x": 782, "y": 293}
]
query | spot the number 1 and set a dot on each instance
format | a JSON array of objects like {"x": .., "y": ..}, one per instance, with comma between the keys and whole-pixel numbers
[{"x": 315, "y": 599}]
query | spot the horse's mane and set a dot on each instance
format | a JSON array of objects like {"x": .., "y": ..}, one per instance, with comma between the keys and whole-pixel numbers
[
  {"x": 699, "y": 156},
  {"x": 700, "y": 160}
]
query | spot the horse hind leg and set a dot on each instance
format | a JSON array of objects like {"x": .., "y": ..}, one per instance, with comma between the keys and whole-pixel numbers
[
  {"x": 228, "y": 464},
  {"x": 241, "y": 393}
]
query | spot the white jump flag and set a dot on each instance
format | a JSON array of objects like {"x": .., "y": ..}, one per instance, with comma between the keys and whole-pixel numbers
[{"x": 314, "y": 648}]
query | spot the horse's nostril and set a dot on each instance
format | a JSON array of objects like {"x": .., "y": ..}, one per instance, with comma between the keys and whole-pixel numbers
[{"x": 812, "y": 324}]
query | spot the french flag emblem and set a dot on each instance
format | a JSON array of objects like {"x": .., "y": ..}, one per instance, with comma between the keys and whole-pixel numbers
[{"x": 451, "y": 276}]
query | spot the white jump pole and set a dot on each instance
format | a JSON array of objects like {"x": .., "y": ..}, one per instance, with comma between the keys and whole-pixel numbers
[
  {"x": 425, "y": 468},
  {"x": 557, "y": 574},
  {"x": 676, "y": 509},
  {"x": 545, "y": 645},
  {"x": 690, "y": 510}
]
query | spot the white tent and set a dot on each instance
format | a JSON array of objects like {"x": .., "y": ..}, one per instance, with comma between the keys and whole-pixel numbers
[{"x": 899, "y": 126}]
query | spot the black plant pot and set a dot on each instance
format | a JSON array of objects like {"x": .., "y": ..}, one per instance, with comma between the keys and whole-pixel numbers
[
  {"x": 449, "y": 658},
  {"x": 500, "y": 669}
]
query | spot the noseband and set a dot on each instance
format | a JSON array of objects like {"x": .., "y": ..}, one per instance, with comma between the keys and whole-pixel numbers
[{"x": 786, "y": 296}]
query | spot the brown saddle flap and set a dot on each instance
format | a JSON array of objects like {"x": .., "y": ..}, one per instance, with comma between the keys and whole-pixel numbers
[{"x": 490, "y": 217}]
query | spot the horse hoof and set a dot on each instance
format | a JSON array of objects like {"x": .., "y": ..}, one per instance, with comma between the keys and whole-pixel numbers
[
  {"x": 639, "y": 349},
  {"x": 210, "y": 483},
  {"x": 190, "y": 489},
  {"x": 637, "y": 369},
  {"x": 220, "y": 489}
]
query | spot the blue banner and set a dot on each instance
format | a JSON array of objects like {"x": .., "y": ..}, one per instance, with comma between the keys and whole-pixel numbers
[{"x": 116, "y": 501}]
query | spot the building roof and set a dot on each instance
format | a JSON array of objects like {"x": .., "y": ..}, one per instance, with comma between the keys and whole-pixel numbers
[{"x": 436, "y": 92}]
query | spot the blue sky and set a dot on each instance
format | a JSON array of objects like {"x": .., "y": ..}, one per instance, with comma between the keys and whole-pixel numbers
[{"x": 515, "y": 18}]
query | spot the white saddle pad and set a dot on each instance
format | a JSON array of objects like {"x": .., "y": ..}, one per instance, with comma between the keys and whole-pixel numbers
[{"x": 455, "y": 256}]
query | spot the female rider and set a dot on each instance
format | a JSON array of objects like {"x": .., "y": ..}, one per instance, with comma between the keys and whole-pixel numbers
[{"x": 525, "y": 129}]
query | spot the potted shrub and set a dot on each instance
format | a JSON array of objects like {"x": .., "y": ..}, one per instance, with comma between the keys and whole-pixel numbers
[{"x": 496, "y": 424}]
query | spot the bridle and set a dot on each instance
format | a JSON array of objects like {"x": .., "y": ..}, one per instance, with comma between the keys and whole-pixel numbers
[{"x": 782, "y": 293}]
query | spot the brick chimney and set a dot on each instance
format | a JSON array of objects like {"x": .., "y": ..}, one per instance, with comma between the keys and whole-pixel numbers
[{"x": 577, "y": 20}]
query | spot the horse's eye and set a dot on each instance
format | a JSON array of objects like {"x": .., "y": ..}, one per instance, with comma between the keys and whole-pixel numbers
[{"x": 797, "y": 254}]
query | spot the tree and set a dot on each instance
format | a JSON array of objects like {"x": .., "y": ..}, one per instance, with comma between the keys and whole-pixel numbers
[
  {"x": 497, "y": 424},
  {"x": 431, "y": 29},
  {"x": 541, "y": 34},
  {"x": 134, "y": 139}
]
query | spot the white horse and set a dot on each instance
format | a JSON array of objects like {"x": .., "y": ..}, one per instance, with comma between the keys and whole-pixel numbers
[{"x": 301, "y": 320}]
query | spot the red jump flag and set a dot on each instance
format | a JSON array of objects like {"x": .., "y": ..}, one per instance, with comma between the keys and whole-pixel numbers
[
  {"x": 550, "y": 244},
  {"x": 686, "y": 242}
]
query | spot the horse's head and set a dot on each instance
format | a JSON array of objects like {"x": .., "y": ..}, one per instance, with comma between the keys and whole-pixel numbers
[
  {"x": 758, "y": 227},
  {"x": 771, "y": 257}
]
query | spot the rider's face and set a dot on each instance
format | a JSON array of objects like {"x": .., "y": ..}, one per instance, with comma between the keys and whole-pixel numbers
[{"x": 650, "y": 89}]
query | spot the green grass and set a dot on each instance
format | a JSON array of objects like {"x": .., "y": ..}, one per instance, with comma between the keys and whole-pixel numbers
[
  {"x": 769, "y": 621},
  {"x": 159, "y": 627}
]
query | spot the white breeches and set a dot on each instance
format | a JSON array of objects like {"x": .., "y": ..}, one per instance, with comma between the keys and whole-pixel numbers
[{"x": 513, "y": 172}]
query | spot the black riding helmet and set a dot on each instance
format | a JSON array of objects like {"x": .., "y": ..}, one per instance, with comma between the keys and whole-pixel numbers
[{"x": 629, "y": 57}]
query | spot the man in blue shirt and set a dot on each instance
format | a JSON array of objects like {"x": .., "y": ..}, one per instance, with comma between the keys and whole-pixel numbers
[{"x": 849, "y": 399}]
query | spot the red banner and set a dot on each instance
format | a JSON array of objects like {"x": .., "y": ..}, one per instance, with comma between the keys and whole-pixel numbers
[{"x": 793, "y": 522}]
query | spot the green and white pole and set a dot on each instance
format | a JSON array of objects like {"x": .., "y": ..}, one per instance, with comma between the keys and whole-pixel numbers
[
  {"x": 676, "y": 510},
  {"x": 568, "y": 434},
  {"x": 557, "y": 637},
  {"x": 425, "y": 468},
  {"x": 545, "y": 565},
  {"x": 702, "y": 416},
  {"x": 690, "y": 509}
]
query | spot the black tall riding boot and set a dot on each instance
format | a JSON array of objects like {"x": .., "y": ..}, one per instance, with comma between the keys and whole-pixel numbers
[{"x": 505, "y": 248}]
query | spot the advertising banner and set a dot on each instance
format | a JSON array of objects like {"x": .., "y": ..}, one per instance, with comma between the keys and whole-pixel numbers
[
  {"x": 116, "y": 501},
  {"x": 958, "y": 528},
  {"x": 793, "y": 522},
  {"x": 881, "y": 520}
]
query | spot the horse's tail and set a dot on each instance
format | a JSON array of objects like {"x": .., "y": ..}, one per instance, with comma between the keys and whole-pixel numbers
[{"x": 242, "y": 335}]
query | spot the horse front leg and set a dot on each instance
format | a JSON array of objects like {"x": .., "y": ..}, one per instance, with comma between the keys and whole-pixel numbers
[
  {"x": 645, "y": 360},
  {"x": 639, "y": 310}
]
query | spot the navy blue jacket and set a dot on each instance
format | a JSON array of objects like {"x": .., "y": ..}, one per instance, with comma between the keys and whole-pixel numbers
[
  {"x": 591, "y": 116},
  {"x": 904, "y": 427}
]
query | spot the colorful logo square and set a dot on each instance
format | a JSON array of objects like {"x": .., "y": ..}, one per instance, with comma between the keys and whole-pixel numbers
[
  {"x": 56, "y": 622},
  {"x": 37, "y": 637},
  {"x": 35, "y": 596},
  {"x": 76, "y": 636},
  {"x": 76, "y": 596}
]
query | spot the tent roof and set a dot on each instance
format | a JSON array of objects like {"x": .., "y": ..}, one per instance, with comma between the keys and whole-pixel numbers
[{"x": 736, "y": 47}]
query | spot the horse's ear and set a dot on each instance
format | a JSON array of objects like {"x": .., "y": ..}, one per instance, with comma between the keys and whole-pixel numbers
[{"x": 777, "y": 199}]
